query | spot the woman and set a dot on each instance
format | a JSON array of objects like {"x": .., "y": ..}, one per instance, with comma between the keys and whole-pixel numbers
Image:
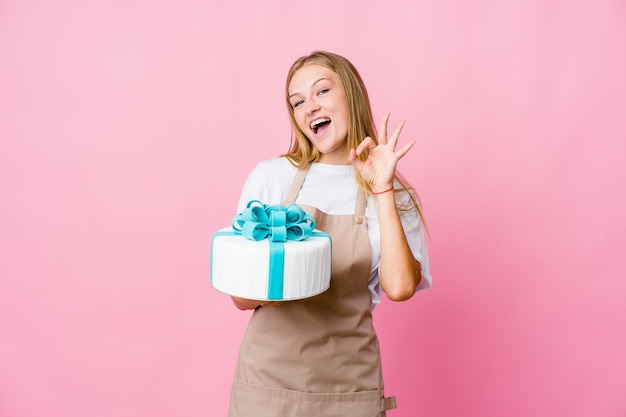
[{"x": 320, "y": 356}]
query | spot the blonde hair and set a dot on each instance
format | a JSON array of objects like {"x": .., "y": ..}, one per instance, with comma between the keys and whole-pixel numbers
[{"x": 361, "y": 123}]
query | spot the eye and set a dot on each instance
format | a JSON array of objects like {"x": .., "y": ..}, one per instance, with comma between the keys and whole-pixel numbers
[
  {"x": 297, "y": 103},
  {"x": 323, "y": 91}
]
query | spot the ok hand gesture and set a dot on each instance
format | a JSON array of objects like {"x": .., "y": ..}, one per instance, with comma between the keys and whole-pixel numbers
[{"x": 380, "y": 166}]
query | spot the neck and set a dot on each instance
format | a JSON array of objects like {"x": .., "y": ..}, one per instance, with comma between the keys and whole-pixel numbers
[{"x": 335, "y": 158}]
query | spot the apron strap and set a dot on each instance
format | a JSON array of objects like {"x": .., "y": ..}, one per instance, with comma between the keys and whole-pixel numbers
[
  {"x": 296, "y": 184},
  {"x": 361, "y": 203},
  {"x": 388, "y": 403}
]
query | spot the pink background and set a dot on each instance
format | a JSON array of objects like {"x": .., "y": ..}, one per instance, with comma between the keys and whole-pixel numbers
[{"x": 128, "y": 127}]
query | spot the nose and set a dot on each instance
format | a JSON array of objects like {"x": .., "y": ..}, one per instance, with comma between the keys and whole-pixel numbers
[{"x": 311, "y": 106}]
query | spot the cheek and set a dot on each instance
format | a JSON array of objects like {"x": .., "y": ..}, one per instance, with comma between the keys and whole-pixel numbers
[{"x": 300, "y": 121}]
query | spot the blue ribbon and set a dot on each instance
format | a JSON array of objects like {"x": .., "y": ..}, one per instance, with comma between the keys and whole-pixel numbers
[{"x": 276, "y": 223}]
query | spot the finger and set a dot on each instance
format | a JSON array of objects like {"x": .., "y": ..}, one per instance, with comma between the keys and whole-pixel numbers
[
  {"x": 352, "y": 156},
  {"x": 382, "y": 129},
  {"x": 367, "y": 143},
  {"x": 393, "y": 140},
  {"x": 405, "y": 149},
  {"x": 354, "y": 160}
]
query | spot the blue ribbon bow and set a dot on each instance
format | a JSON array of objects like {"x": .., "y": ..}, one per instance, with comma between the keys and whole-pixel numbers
[{"x": 276, "y": 223}]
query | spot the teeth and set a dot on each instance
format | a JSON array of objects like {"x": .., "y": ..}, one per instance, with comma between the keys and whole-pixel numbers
[{"x": 316, "y": 123}]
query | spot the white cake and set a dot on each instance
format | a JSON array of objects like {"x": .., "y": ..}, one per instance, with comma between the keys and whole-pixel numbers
[{"x": 240, "y": 266}]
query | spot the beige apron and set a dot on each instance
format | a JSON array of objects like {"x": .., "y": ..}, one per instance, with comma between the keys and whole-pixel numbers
[{"x": 317, "y": 357}]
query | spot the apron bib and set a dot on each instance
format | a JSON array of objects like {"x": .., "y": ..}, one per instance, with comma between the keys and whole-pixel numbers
[{"x": 318, "y": 356}]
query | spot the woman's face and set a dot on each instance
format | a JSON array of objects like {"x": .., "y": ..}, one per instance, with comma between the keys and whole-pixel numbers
[{"x": 321, "y": 111}]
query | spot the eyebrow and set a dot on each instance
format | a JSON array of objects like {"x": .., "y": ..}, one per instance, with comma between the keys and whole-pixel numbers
[{"x": 312, "y": 85}]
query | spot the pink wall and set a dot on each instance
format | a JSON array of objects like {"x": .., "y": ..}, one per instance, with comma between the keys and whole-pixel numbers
[{"x": 127, "y": 128}]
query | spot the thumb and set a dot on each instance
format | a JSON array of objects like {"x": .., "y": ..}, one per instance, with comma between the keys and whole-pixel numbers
[{"x": 354, "y": 160}]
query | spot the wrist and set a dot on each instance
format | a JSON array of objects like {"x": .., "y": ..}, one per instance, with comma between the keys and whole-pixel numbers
[{"x": 382, "y": 190}]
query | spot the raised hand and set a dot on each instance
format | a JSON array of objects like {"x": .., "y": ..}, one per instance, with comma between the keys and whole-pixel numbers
[{"x": 380, "y": 166}]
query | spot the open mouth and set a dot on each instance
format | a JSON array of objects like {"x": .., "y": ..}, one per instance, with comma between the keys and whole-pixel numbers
[{"x": 319, "y": 124}]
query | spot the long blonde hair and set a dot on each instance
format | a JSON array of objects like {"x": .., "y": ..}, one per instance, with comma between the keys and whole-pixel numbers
[{"x": 361, "y": 123}]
